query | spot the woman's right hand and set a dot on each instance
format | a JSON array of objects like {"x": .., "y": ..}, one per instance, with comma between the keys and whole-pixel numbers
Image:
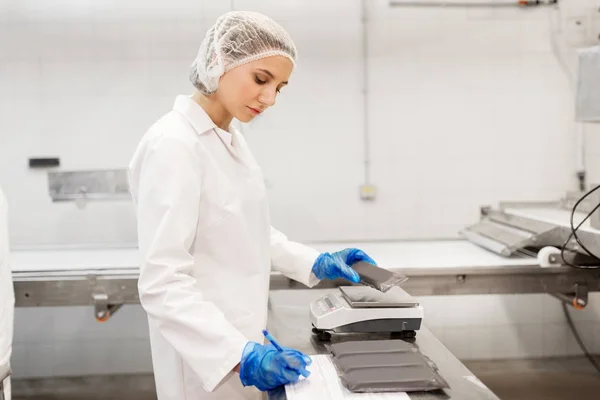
[{"x": 266, "y": 368}]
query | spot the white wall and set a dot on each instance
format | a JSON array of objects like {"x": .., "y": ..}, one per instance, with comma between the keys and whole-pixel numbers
[
  {"x": 466, "y": 107},
  {"x": 453, "y": 94}
]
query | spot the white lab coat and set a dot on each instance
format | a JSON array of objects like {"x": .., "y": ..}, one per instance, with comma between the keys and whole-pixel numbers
[
  {"x": 7, "y": 296},
  {"x": 206, "y": 248}
]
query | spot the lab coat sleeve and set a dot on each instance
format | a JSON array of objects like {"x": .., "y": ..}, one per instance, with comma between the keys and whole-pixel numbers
[
  {"x": 294, "y": 260},
  {"x": 168, "y": 193}
]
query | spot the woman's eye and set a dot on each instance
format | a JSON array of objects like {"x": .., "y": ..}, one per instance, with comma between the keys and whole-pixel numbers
[{"x": 259, "y": 81}]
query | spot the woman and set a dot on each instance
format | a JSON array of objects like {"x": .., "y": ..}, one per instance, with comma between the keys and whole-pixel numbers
[{"x": 204, "y": 233}]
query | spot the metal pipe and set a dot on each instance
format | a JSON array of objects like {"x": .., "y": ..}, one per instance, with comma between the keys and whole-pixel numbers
[
  {"x": 482, "y": 3},
  {"x": 580, "y": 170},
  {"x": 580, "y": 156},
  {"x": 365, "y": 92}
]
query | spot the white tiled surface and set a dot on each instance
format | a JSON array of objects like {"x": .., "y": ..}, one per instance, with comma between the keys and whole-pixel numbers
[
  {"x": 510, "y": 326},
  {"x": 68, "y": 341},
  {"x": 75, "y": 323},
  {"x": 84, "y": 357}
]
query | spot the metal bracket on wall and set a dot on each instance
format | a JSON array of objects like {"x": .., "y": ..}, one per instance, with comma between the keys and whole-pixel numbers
[
  {"x": 82, "y": 186},
  {"x": 578, "y": 299},
  {"x": 103, "y": 310}
]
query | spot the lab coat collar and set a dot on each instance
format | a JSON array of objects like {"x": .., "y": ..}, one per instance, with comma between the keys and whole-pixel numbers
[{"x": 198, "y": 117}]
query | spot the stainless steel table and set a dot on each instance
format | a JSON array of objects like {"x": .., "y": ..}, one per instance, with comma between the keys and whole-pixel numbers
[
  {"x": 290, "y": 324},
  {"x": 107, "y": 277}
]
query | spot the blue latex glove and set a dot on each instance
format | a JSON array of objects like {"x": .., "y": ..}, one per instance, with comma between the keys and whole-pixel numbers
[
  {"x": 266, "y": 367},
  {"x": 339, "y": 264}
]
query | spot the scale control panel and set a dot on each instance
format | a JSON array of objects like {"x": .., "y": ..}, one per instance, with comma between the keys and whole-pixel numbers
[{"x": 328, "y": 304}]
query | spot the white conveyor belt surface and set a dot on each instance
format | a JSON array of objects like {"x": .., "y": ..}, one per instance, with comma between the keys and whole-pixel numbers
[
  {"x": 71, "y": 259},
  {"x": 392, "y": 254},
  {"x": 430, "y": 254},
  {"x": 554, "y": 216}
]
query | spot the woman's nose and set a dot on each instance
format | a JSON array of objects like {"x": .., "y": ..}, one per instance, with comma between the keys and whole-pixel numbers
[{"x": 267, "y": 97}]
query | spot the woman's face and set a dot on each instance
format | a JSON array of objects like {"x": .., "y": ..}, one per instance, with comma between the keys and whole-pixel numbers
[{"x": 248, "y": 90}]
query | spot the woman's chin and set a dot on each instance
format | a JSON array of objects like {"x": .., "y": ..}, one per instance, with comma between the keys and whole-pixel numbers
[{"x": 245, "y": 118}]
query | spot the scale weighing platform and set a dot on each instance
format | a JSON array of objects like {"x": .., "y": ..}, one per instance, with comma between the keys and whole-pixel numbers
[{"x": 361, "y": 309}]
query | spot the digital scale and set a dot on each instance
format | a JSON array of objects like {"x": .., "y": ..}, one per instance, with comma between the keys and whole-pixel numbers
[{"x": 361, "y": 309}]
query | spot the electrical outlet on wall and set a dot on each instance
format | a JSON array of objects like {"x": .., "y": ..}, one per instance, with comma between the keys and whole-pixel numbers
[{"x": 368, "y": 192}]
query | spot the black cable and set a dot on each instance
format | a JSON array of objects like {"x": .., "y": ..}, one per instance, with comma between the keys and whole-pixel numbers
[
  {"x": 578, "y": 338},
  {"x": 591, "y": 358},
  {"x": 574, "y": 230},
  {"x": 574, "y": 233}
]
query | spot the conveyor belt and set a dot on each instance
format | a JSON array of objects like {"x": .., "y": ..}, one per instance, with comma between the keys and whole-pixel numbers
[
  {"x": 515, "y": 228},
  {"x": 431, "y": 254},
  {"x": 73, "y": 259},
  {"x": 408, "y": 254},
  {"x": 93, "y": 276},
  {"x": 555, "y": 216}
]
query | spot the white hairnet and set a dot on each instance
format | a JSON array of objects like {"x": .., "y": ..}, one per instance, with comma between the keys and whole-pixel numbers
[{"x": 237, "y": 38}]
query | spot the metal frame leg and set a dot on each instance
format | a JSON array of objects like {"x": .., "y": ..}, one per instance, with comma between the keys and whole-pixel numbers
[{"x": 578, "y": 299}]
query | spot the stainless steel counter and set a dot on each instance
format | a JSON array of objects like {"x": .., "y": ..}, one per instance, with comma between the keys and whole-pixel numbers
[
  {"x": 105, "y": 277},
  {"x": 289, "y": 322}
]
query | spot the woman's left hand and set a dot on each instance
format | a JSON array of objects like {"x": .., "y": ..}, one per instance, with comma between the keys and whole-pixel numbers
[{"x": 339, "y": 264}]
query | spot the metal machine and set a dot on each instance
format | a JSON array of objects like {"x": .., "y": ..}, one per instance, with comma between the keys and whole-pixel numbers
[
  {"x": 527, "y": 227},
  {"x": 547, "y": 231},
  {"x": 360, "y": 309}
]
